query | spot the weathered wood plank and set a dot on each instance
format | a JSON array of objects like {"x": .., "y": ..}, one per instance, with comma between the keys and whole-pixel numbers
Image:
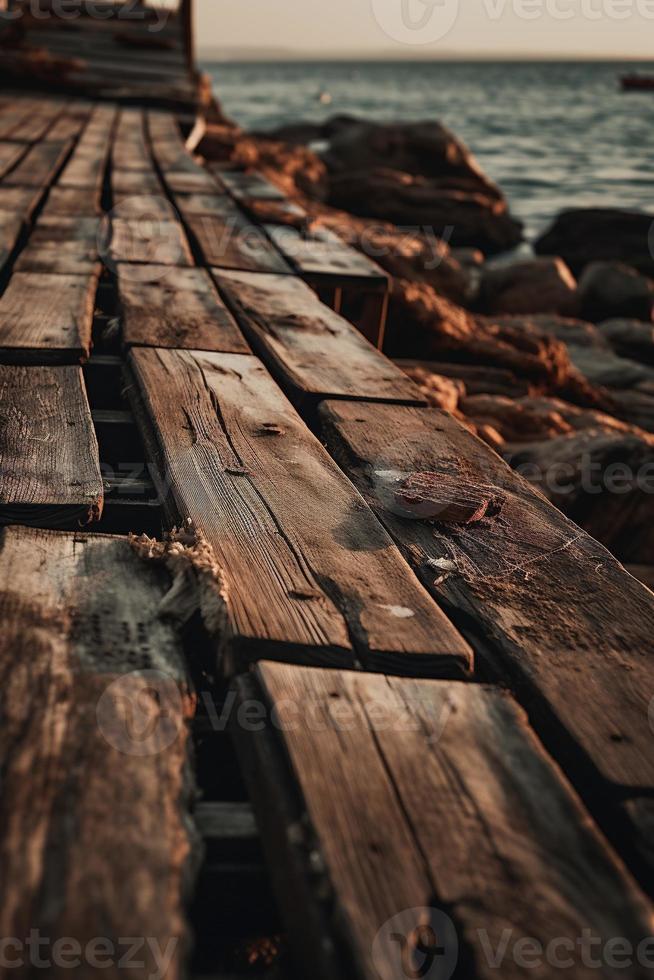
[
  {"x": 46, "y": 319},
  {"x": 441, "y": 809},
  {"x": 315, "y": 352},
  {"x": 29, "y": 121},
  {"x": 11, "y": 226},
  {"x": 69, "y": 125},
  {"x": 286, "y": 213},
  {"x": 140, "y": 182},
  {"x": 307, "y": 572},
  {"x": 185, "y": 180},
  {"x": 97, "y": 842},
  {"x": 20, "y": 200},
  {"x": 151, "y": 241},
  {"x": 59, "y": 258},
  {"x": 144, "y": 207},
  {"x": 10, "y": 154},
  {"x": 171, "y": 154},
  {"x": 325, "y": 259},
  {"x": 554, "y": 612},
  {"x": 130, "y": 151},
  {"x": 63, "y": 230},
  {"x": 39, "y": 166},
  {"x": 249, "y": 185},
  {"x": 88, "y": 164},
  {"x": 11, "y": 119},
  {"x": 86, "y": 169},
  {"x": 71, "y": 202},
  {"x": 229, "y": 241},
  {"x": 49, "y": 466},
  {"x": 209, "y": 204},
  {"x": 176, "y": 308},
  {"x": 163, "y": 128}
]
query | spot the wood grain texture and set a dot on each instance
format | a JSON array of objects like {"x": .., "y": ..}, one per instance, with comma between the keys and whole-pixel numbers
[
  {"x": 434, "y": 797},
  {"x": 265, "y": 212},
  {"x": 312, "y": 350},
  {"x": 166, "y": 138},
  {"x": 61, "y": 259},
  {"x": 72, "y": 202},
  {"x": 139, "y": 182},
  {"x": 22, "y": 201},
  {"x": 249, "y": 185},
  {"x": 29, "y": 119},
  {"x": 97, "y": 842},
  {"x": 88, "y": 163},
  {"x": 130, "y": 150},
  {"x": 144, "y": 207},
  {"x": 86, "y": 168},
  {"x": 39, "y": 166},
  {"x": 152, "y": 241},
  {"x": 49, "y": 463},
  {"x": 188, "y": 178},
  {"x": 47, "y": 319},
  {"x": 209, "y": 204},
  {"x": 308, "y": 573},
  {"x": 11, "y": 226},
  {"x": 69, "y": 125},
  {"x": 10, "y": 154},
  {"x": 228, "y": 240},
  {"x": 176, "y": 308},
  {"x": 51, "y": 228},
  {"x": 326, "y": 259},
  {"x": 554, "y": 612}
]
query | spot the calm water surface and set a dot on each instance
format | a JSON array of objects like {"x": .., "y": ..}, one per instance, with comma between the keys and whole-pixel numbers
[{"x": 553, "y": 135}]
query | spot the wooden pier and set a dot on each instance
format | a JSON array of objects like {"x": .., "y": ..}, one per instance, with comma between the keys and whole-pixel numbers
[{"x": 299, "y": 678}]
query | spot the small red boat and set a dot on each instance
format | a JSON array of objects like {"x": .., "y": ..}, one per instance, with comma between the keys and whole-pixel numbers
[{"x": 638, "y": 83}]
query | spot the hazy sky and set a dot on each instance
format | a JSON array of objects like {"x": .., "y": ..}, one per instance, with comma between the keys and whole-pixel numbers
[{"x": 600, "y": 28}]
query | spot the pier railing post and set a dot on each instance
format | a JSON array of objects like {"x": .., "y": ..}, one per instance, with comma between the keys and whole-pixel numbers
[{"x": 186, "y": 13}]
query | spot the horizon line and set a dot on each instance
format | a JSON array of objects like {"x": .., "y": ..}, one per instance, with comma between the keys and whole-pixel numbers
[{"x": 245, "y": 54}]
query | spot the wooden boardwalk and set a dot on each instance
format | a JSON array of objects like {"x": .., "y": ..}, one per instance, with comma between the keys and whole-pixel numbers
[{"x": 438, "y": 687}]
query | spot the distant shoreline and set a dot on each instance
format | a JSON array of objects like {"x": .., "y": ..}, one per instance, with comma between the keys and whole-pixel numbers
[{"x": 242, "y": 57}]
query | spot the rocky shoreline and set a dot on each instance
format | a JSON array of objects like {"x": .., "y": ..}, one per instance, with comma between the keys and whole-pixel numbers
[{"x": 545, "y": 350}]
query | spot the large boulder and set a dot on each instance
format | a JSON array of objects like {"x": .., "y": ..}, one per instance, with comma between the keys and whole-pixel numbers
[
  {"x": 624, "y": 387},
  {"x": 421, "y": 149},
  {"x": 541, "y": 285},
  {"x": 630, "y": 338},
  {"x": 461, "y": 217},
  {"x": 568, "y": 329},
  {"x": 613, "y": 289},
  {"x": 584, "y": 235},
  {"x": 417, "y": 174}
]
